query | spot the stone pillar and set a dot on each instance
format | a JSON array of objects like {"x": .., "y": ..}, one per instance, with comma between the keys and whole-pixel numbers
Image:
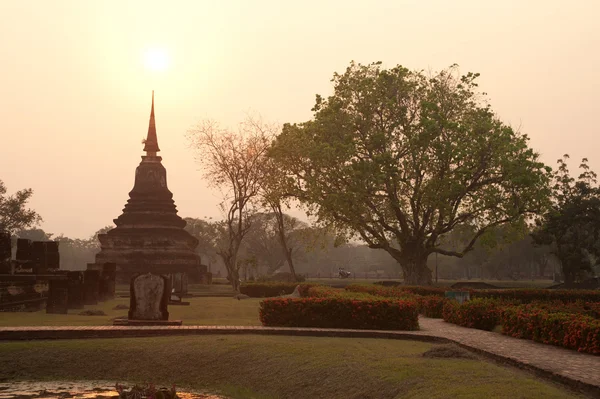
[
  {"x": 91, "y": 286},
  {"x": 149, "y": 297},
  {"x": 23, "y": 250},
  {"x": 107, "y": 281},
  {"x": 5, "y": 252},
  {"x": 179, "y": 282},
  {"x": 206, "y": 278},
  {"x": 75, "y": 290},
  {"x": 58, "y": 297}
]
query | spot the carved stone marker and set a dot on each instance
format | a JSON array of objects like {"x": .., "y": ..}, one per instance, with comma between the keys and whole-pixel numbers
[
  {"x": 148, "y": 302},
  {"x": 91, "y": 287},
  {"x": 75, "y": 290},
  {"x": 149, "y": 297},
  {"x": 58, "y": 297}
]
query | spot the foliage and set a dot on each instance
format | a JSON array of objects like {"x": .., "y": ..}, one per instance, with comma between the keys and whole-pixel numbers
[
  {"x": 431, "y": 306},
  {"x": 323, "y": 291},
  {"x": 529, "y": 295},
  {"x": 395, "y": 292},
  {"x": 401, "y": 158},
  {"x": 337, "y": 312},
  {"x": 572, "y": 225},
  {"x": 272, "y": 289},
  {"x": 482, "y": 314},
  {"x": 591, "y": 309},
  {"x": 14, "y": 214},
  {"x": 232, "y": 162},
  {"x": 573, "y": 331},
  {"x": 208, "y": 235},
  {"x": 264, "y": 240}
]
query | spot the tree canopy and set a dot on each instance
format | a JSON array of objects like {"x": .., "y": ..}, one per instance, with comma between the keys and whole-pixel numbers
[
  {"x": 402, "y": 158},
  {"x": 572, "y": 225},
  {"x": 233, "y": 163},
  {"x": 14, "y": 214}
]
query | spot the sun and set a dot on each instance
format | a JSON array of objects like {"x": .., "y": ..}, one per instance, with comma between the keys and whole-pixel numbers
[{"x": 156, "y": 59}]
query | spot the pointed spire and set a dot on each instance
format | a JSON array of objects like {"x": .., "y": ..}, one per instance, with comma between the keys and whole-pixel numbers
[{"x": 151, "y": 144}]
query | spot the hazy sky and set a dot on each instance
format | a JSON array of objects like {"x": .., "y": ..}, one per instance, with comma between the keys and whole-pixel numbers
[{"x": 75, "y": 91}]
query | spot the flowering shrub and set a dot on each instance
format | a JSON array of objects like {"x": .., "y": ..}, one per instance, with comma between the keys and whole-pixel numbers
[
  {"x": 530, "y": 295},
  {"x": 591, "y": 309},
  {"x": 339, "y": 312},
  {"x": 431, "y": 306},
  {"x": 573, "y": 331},
  {"x": 481, "y": 313},
  {"x": 395, "y": 292},
  {"x": 271, "y": 289},
  {"x": 323, "y": 291}
]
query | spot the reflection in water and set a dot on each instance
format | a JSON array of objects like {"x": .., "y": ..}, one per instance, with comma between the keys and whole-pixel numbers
[{"x": 75, "y": 390}]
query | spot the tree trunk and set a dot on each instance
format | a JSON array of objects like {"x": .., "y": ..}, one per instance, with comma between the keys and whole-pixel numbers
[
  {"x": 276, "y": 207},
  {"x": 413, "y": 260},
  {"x": 288, "y": 255},
  {"x": 416, "y": 273}
]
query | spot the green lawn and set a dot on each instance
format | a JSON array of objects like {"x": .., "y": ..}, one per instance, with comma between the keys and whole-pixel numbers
[
  {"x": 273, "y": 367},
  {"x": 201, "y": 311}
]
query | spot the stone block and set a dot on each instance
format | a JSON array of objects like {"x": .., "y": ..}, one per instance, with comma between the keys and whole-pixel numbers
[
  {"x": 91, "y": 286},
  {"x": 76, "y": 300},
  {"x": 108, "y": 281},
  {"x": 58, "y": 297}
]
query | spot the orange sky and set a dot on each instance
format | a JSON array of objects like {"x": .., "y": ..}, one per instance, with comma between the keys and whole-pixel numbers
[{"x": 76, "y": 95}]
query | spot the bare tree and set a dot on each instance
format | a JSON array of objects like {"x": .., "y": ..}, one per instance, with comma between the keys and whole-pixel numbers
[{"x": 232, "y": 162}]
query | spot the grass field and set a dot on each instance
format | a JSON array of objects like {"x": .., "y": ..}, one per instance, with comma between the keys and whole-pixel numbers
[
  {"x": 273, "y": 367},
  {"x": 201, "y": 311}
]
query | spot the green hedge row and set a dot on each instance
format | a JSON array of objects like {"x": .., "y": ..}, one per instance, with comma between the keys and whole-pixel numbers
[
  {"x": 521, "y": 295},
  {"x": 531, "y": 295},
  {"x": 479, "y": 313},
  {"x": 336, "y": 312},
  {"x": 272, "y": 289}
]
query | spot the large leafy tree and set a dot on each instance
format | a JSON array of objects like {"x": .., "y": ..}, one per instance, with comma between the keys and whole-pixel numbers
[
  {"x": 402, "y": 158},
  {"x": 572, "y": 225},
  {"x": 14, "y": 214}
]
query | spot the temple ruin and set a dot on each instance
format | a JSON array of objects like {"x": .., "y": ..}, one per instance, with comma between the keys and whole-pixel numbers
[{"x": 149, "y": 235}]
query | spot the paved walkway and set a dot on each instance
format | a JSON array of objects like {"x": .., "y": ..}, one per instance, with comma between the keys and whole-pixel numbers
[{"x": 579, "y": 370}]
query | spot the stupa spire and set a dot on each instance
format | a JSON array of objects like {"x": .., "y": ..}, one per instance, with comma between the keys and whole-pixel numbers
[{"x": 151, "y": 143}]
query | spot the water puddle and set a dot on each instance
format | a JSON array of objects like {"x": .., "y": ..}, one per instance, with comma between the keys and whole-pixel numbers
[{"x": 77, "y": 390}]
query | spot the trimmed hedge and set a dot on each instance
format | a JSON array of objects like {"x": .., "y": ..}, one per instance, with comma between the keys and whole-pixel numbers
[
  {"x": 323, "y": 291},
  {"x": 590, "y": 309},
  {"x": 336, "y": 312},
  {"x": 521, "y": 295},
  {"x": 572, "y": 331},
  {"x": 431, "y": 306},
  {"x": 395, "y": 292},
  {"x": 266, "y": 290},
  {"x": 481, "y": 313},
  {"x": 531, "y": 295}
]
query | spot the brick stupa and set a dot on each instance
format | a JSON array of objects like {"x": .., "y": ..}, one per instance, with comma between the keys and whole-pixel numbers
[{"x": 150, "y": 236}]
